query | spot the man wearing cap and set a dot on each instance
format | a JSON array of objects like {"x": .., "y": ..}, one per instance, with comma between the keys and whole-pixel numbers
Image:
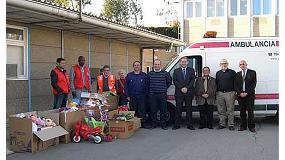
[
  {"x": 225, "y": 95},
  {"x": 245, "y": 83}
]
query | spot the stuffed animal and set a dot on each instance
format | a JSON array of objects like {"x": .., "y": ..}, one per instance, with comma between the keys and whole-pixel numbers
[
  {"x": 36, "y": 120},
  {"x": 49, "y": 122}
]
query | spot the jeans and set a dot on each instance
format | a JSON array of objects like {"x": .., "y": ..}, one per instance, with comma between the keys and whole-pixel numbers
[{"x": 60, "y": 100}]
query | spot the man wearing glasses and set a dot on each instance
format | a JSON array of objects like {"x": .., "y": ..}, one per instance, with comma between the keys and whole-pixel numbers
[
  {"x": 245, "y": 83},
  {"x": 107, "y": 81},
  {"x": 225, "y": 95}
]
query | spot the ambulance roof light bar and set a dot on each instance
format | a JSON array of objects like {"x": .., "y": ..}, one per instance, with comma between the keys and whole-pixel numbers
[{"x": 210, "y": 34}]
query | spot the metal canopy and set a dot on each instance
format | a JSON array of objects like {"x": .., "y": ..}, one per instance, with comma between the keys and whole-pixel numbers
[{"x": 38, "y": 16}]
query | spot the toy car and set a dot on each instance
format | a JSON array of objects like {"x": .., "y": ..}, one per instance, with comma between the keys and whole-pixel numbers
[{"x": 86, "y": 132}]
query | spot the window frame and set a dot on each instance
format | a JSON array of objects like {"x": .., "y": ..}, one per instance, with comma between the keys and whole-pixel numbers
[
  {"x": 194, "y": 9},
  {"x": 215, "y": 9},
  {"x": 273, "y": 9},
  {"x": 20, "y": 43}
]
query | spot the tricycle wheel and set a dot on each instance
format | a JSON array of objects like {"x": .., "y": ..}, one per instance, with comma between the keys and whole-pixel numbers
[
  {"x": 76, "y": 139},
  {"x": 98, "y": 139}
]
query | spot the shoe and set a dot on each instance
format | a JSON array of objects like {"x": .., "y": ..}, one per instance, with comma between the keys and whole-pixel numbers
[
  {"x": 175, "y": 127},
  {"x": 164, "y": 127},
  {"x": 210, "y": 127},
  {"x": 190, "y": 127},
  {"x": 231, "y": 128},
  {"x": 241, "y": 129},
  {"x": 145, "y": 126},
  {"x": 153, "y": 126},
  {"x": 252, "y": 130},
  {"x": 221, "y": 127},
  {"x": 201, "y": 127}
]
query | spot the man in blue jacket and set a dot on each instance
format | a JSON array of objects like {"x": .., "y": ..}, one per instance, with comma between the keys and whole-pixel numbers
[{"x": 136, "y": 91}]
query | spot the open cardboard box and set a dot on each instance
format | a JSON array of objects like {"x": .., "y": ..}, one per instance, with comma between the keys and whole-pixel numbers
[
  {"x": 123, "y": 129},
  {"x": 22, "y": 139},
  {"x": 67, "y": 120}
]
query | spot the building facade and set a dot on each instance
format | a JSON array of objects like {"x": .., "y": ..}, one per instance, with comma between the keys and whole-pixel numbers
[{"x": 229, "y": 18}]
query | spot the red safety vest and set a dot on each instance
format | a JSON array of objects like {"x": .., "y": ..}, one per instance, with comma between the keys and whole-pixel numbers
[
  {"x": 111, "y": 83},
  {"x": 78, "y": 84},
  {"x": 62, "y": 81}
]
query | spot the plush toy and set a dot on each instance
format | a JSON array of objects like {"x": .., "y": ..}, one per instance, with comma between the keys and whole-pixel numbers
[
  {"x": 49, "y": 122},
  {"x": 36, "y": 120}
]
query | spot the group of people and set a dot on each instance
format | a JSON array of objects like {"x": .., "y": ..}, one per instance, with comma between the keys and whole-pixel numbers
[{"x": 139, "y": 90}]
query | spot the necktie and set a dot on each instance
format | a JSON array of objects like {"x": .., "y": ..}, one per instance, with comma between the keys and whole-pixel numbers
[
  {"x": 184, "y": 73},
  {"x": 206, "y": 85},
  {"x": 243, "y": 80}
]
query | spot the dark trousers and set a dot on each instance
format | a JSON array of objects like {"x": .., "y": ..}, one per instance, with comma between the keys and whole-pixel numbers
[
  {"x": 179, "y": 103},
  {"x": 122, "y": 100},
  {"x": 206, "y": 115},
  {"x": 246, "y": 104},
  {"x": 158, "y": 101},
  {"x": 60, "y": 100},
  {"x": 137, "y": 104}
]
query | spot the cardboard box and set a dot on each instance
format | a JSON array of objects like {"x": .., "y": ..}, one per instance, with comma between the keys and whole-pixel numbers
[
  {"x": 121, "y": 129},
  {"x": 22, "y": 139},
  {"x": 112, "y": 101},
  {"x": 137, "y": 123},
  {"x": 67, "y": 120},
  {"x": 112, "y": 113}
]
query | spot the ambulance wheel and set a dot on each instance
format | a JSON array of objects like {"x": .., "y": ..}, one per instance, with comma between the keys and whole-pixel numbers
[
  {"x": 76, "y": 139},
  {"x": 98, "y": 139}
]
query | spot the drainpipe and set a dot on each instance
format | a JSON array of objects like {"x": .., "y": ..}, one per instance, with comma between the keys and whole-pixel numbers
[
  {"x": 110, "y": 55},
  {"x": 127, "y": 58},
  {"x": 89, "y": 50},
  {"x": 80, "y": 11},
  {"x": 62, "y": 43},
  {"x": 29, "y": 68}
]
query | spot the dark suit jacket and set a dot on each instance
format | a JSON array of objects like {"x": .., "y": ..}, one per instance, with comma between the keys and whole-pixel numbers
[
  {"x": 179, "y": 81},
  {"x": 199, "y": 90},
  {"x": 250, "y": 83}
]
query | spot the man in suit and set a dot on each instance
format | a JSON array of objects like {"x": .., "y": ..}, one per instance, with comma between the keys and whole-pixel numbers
[
  {"x": 245, "y": 83},
  {"x": 183, "y": 79},
  {"x": 205, "y": 91}
]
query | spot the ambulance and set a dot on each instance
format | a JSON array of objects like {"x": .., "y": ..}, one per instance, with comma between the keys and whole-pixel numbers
[{"x": 261, "y": 54}]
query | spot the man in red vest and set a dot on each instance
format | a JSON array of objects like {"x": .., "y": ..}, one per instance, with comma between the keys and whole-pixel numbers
[
  {"x": 80, "y": 80},
  {"x": 107, "y": 81},
  {"x": 60, "y": 84}
]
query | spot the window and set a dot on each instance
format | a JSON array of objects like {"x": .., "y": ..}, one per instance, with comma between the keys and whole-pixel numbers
[
  {"x": 277, "y": 8},
  {"x": 233, "y": 7},
  {"x": 16, "y": 64},
  {"x": 267, "y": 6},
  {"x": 189, "y": 9},
  {"x": 243, "y": 7},
  {"x": 238, "y": 7},
  {"x": 193, "y": 9},
  {"x": 215, "y": 8},
  {"x": 193, "y": 62},
  {"x": 198, "y": 9},
  {"x": 262, "y": 7}
]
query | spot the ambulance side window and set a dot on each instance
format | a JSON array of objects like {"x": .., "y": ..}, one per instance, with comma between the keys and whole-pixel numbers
[{"x": 193, "y": 62}]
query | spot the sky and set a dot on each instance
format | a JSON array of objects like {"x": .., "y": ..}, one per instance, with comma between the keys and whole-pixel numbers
[{"x": 149, "y": 8}]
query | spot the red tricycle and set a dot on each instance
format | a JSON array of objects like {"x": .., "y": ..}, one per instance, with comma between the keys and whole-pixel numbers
[{"x": 86, "y": 132}]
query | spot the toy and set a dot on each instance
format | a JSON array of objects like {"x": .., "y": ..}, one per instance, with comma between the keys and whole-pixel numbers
[
  {"x": 86, "y": 132},
  {"x": 91, "y": 122},
  {"x": 36, "y": 120},
  {"x": 123, "y": 108},
  {"x": 49, "y": 123}
]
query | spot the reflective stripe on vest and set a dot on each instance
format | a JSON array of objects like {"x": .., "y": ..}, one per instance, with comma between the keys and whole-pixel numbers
[
  {"x": 111, "y": 83},
  {"x": 78, "y": 82},
  {"x": 62, "y": 81}
]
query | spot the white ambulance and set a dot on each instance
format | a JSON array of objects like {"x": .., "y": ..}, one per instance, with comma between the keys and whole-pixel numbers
[{"x": 261, "y": 54}]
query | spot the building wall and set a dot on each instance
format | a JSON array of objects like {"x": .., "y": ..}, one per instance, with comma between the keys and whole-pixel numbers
[
  {"x": 45, "y": 48},
  {"x": 161, "y": 54},
  {"x": 238, "y": 27}
]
